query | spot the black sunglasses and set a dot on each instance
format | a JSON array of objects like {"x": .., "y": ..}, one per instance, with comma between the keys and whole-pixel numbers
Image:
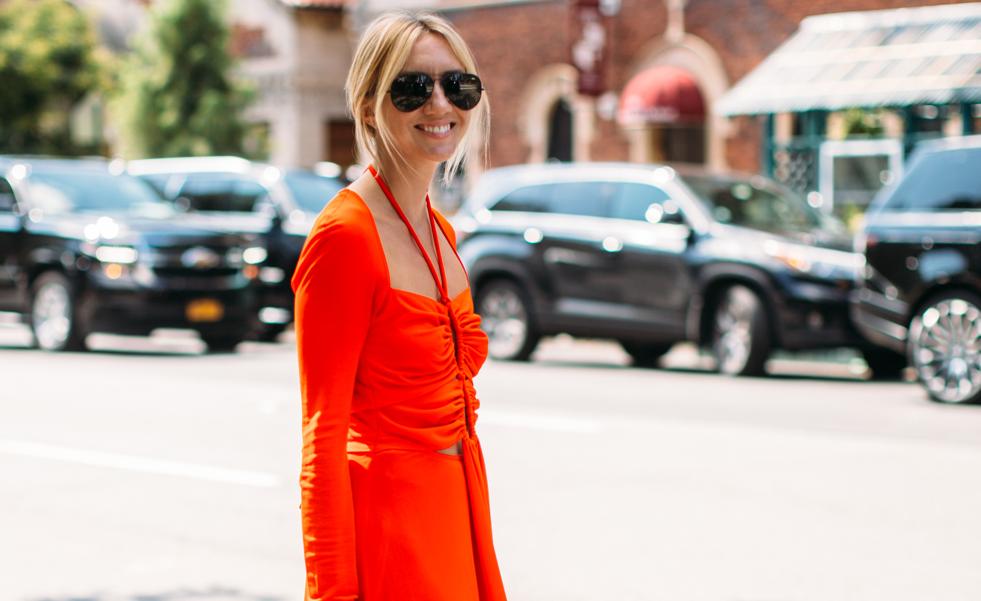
[{"x": 410, "y": 91}]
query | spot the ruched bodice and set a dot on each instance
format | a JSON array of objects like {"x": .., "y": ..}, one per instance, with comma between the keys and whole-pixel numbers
[
  {"x": 414, "y": 386},
  {"x": 387, "y": 381}
]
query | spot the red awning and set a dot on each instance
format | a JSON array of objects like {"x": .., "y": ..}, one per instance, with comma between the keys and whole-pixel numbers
[{"x": 661, "y": 94}]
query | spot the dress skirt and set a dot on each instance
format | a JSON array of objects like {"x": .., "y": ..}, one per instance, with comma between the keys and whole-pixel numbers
[{"x": 413, "y": 525}]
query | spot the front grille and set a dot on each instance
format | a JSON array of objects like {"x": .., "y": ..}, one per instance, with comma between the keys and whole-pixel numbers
[{"x": 196, "y": 266}]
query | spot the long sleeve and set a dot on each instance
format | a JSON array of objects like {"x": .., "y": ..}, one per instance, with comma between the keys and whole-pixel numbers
[{"x": 334, "y": 284}]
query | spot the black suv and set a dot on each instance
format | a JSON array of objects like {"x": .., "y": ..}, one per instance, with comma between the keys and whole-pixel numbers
[
  {"x": 244, "y": 196},
  {"x": 650, "y": 256},
  {"x": 921, "y": 289},
  {"x": 84, "y": 248}
]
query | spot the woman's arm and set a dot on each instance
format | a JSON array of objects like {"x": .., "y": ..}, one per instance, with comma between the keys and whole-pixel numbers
[{"x": 334, "y": 286}]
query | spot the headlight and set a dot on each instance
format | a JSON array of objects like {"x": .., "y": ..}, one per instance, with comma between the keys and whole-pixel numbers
[
  {"x": 822, "y": 262},
  {"x": 123, "y": 255},
  {"x": 793, "y": 257},
  {"x": 254, "y": 255}
]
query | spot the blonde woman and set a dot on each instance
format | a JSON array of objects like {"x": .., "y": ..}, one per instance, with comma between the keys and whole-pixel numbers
[{"x": 393, "y": 488}]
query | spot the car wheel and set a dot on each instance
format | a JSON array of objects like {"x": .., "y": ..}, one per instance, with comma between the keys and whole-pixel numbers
[
  {"x": 945, "y": 347},
  {"x": 53, "y": 319},
  {"x": 506, "y": 317},
  {"x": 884, "y": 363},
  {"x": 740, "y": 332},
  {"x": 221, "y": 344},
  {"x": 645, "y": 354}
]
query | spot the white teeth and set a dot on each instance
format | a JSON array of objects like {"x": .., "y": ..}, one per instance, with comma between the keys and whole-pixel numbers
[{"x": 441, "y": 129}]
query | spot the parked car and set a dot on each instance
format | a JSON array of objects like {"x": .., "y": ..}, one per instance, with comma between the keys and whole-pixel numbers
[
  {"x": 650, "y": 255},
  {"x": 248, "y": 197},
  {"x": 920, "y": 292},
  {"x": 84, "y": 248}
]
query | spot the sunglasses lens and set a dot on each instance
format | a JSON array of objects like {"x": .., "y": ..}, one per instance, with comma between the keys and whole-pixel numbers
[
  {"x": 462, "y": 89},
  {"x": 411, "y": 90}
]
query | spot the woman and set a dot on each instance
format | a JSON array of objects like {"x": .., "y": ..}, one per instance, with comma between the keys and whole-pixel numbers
[{"x": 394, "y": 496}]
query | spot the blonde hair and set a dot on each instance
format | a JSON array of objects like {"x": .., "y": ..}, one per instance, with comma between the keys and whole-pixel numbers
[{"x": 381, "y": 54}]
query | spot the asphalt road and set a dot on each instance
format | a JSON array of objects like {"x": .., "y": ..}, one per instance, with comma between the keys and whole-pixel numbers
[{"x": 147, "y": 471}]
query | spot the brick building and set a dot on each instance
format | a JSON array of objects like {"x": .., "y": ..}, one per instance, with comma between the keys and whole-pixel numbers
[{"x": 666, "y": 66}]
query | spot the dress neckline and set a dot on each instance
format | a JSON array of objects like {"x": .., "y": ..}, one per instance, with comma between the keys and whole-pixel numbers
[
  {"x": 440, "y": 278},
  {"x": 388, "y": 273}
]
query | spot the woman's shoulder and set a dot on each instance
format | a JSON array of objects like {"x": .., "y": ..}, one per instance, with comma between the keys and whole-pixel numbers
[
  {"x": 342, "y": 241},
  {"x": 345, "y": 218},
  {"x": 446, "y": 226}
]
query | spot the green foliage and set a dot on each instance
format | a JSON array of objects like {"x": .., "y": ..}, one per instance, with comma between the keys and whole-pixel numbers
[
  {"x": 49, "y": 61},
  {"x": 178, "y": 96},
  {"x": 862, "y": 122}
]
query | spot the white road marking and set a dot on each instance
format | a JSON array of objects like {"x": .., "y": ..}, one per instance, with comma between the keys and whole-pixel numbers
[
  {"x": 539, "y": 422},
  {"x": 136, "y": 463}
]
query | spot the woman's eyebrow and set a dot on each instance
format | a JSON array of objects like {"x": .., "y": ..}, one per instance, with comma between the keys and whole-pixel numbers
[{"x": 432, "y": 74}]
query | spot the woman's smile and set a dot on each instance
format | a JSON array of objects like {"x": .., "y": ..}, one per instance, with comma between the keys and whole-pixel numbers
[{"x": 437, "y": 131}]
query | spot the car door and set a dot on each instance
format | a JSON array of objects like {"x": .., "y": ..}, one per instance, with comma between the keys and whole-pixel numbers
[
  {"x": 648, "y": 238},
  {"x": 10, "y": 228},
  {"x": 575, "y": 250}
]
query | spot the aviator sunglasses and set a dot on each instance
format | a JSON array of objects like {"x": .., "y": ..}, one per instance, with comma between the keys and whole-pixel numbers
[{"x": 410, "y": 91}]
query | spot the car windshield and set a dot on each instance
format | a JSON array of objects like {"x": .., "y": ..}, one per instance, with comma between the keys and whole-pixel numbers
[
  {"x": 56, "y": 192},
  {"x": 940, "y": 181},
  {"x": 755, "y": 203},
  {"x": 311, "y": 191}
]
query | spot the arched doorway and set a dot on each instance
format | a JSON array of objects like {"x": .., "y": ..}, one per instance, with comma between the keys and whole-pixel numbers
[
  {"x": 665, "y": 103},
  {"x": 560, "y": 134}
]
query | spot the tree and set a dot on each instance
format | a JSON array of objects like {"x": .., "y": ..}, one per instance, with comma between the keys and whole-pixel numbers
[
  {"x": 178, "y": 96},
  {"x": 49, "y": 61}
]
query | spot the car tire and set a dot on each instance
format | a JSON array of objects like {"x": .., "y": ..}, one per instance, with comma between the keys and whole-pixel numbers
[
  {"x": 507, "y": 319},
  {"x": 645, "y": 354},
  {"x": 945, "y": 347},
  {"x": 740, "y": 332},
  {"x": 222, "y": 343},
  {"x": 54, "y": 320},
  {"x": 885, "y": 364}
]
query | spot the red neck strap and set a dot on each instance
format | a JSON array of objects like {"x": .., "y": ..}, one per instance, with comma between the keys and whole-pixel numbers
[{"x": 439, "y": 279}]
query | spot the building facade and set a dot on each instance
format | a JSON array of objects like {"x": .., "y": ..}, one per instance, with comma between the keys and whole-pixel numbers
[{"x": 667, "y": 68}]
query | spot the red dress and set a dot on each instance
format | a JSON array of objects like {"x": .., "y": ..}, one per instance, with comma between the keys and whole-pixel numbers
[{"x": 386, "y": 379}]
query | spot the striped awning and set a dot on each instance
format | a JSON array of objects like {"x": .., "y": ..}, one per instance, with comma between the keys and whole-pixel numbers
[{"x": 901, "y": 57}]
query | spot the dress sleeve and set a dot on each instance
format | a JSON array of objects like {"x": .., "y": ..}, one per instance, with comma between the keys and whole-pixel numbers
[{"x": 334, "y": 285}]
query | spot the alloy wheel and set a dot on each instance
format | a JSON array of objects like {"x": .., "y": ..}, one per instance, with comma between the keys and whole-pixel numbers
[
  {"x": 505, "y": 319},
  {"x": 739, "y": 338},
  {"x": 52, "y": 315},
  {"x": 945, "y": 348}
]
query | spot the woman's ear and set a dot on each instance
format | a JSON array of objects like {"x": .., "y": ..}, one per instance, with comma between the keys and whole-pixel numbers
[{"x": 369, "y": 116}]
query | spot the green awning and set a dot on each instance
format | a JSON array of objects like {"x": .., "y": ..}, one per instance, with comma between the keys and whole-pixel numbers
[{"x": 901, "y": 57}]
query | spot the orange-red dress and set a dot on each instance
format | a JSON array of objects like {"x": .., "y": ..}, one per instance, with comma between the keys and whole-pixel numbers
[{"x": 386, "y": 379}]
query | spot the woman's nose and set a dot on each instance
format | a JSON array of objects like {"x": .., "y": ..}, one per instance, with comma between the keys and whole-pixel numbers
[{"x": 438, "y": 101}]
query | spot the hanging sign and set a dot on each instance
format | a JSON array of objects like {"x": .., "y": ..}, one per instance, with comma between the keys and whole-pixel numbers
[{"x": 590, "y": 44}]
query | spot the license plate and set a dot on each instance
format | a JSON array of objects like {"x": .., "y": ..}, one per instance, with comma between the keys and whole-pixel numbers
[{"x": 204, "y": 309}]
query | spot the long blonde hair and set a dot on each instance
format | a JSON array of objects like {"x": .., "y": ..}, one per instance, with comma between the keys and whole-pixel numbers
[{"x": 380, "y": 56}]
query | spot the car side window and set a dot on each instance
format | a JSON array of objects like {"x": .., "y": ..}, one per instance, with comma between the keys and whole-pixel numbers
[
  {"x": 529, "y": 199},
  {"x": 222, "y": 192},
  {"x": 589, "y": 199},
  {"x": 644, "y": 202},
  {"x": 949, "y": 180},
  {"x": 6, "y": 196}
]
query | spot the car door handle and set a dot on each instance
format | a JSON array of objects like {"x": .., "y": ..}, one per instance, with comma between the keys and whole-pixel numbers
[
  {"x": 533, "y": 235},
  {"x": 612, "y": 244}
]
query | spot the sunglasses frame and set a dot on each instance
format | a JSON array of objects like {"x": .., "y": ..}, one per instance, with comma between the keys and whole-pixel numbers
[{"x": 407, "y": 103}]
